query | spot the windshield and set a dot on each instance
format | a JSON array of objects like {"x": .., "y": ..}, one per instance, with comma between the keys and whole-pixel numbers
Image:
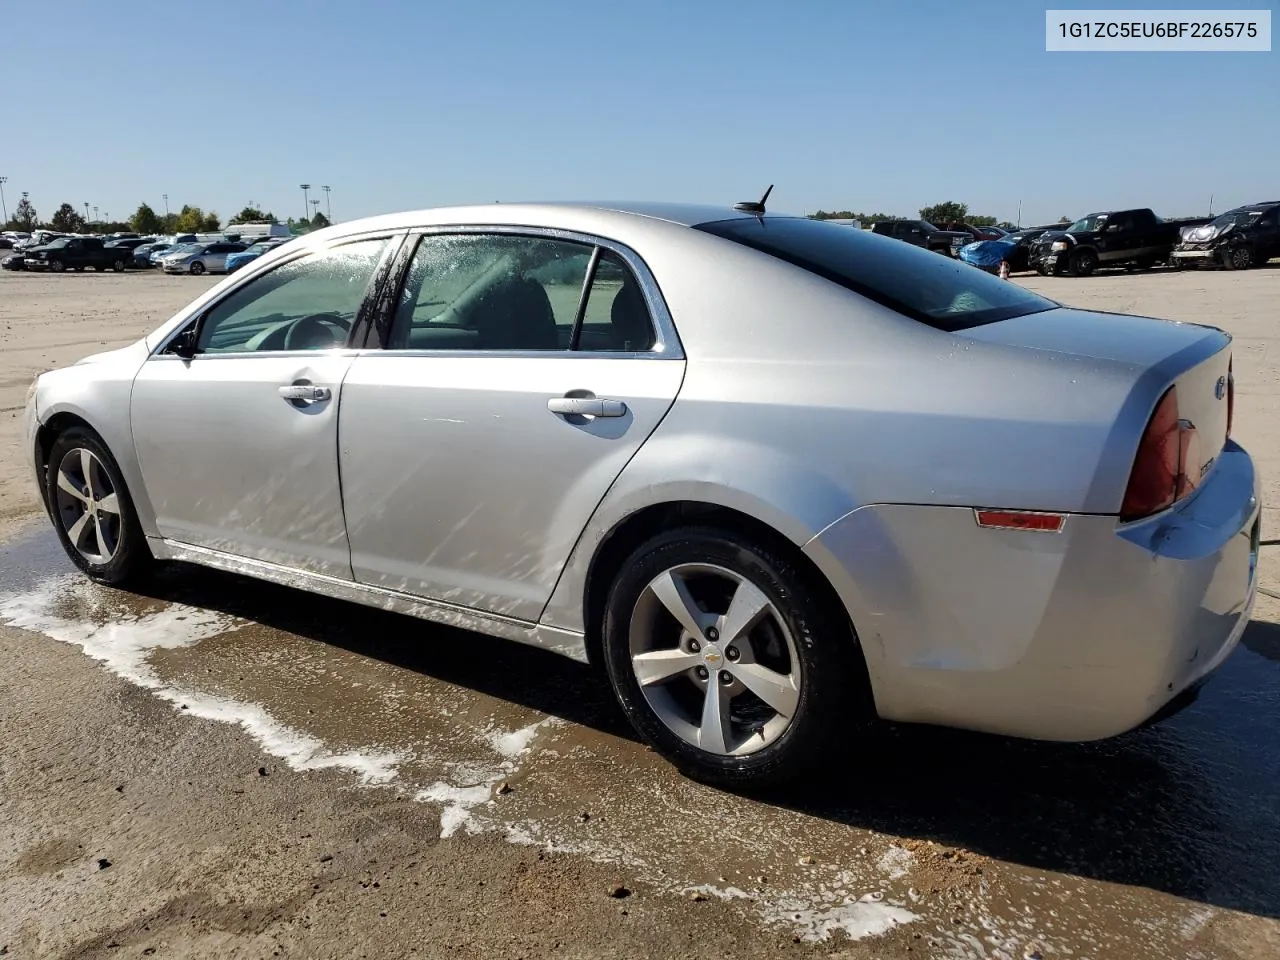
[
  {"x": 928, "y": 226},
  {"x": 1240, "y": 217},
  {"x": 57, "y": 244},
  {"x": 1088, "y": 224},
  {"x": 185, "y": 248},
  {"x": 259, "y": 248},
  {"x": 943, "y": 293}
]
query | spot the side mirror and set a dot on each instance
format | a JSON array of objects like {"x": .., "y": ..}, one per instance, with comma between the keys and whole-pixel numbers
[{"x": 184, "y": 344}]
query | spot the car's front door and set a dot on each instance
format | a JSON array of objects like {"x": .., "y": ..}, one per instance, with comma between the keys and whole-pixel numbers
[
  {"x": 238, "y": 443},
  {"x": 518, "y": 376}
]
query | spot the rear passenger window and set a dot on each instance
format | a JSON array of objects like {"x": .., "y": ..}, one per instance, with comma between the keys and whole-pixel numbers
[
  {"x": 505, "y": 293},
  {"x": 616, "y": 319}
]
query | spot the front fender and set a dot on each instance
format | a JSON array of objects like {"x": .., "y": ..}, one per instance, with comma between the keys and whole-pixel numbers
[{"x": 97, "y": 390}]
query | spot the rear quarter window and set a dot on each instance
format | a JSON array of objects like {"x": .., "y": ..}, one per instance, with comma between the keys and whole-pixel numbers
[{"x": 943, "y": 293}]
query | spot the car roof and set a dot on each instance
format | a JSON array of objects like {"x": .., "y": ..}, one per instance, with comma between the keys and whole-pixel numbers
[{"x": 543, "y": 214}]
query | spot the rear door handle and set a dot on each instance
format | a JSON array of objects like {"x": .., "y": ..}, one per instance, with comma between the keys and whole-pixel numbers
[
  {"x": 305, "y": 393},
  {"x": 586, "y": 407}
]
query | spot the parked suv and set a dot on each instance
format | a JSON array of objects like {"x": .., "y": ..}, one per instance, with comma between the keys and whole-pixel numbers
[
  {"x": 76, "y": 253},
  {"x": 1245, "y": 237},
  {"x": 1110, "y": 239},
  {"x": 922, "y": 233}
]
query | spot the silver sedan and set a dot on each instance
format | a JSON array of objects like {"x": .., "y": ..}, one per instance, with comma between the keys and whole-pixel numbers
[{"x": 778, "y": 477}]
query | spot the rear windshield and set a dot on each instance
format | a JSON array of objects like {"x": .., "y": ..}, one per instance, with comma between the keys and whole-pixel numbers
[{"x": 937, "y": 290}]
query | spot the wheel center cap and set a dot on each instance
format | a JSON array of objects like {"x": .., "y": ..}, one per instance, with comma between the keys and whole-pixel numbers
[{"x": 711, "y": 655}]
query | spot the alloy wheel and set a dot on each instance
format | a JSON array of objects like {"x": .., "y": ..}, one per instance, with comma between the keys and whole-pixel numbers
[
  {"x": 1241, "y": 258},
  {"x": 714, "y": 659},
  {"x": 88, "y": 506}
]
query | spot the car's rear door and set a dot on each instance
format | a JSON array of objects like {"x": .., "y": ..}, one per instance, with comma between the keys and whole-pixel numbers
[
  {"x": 238, "y": 444},
  {"x": 516, "y": 374}
]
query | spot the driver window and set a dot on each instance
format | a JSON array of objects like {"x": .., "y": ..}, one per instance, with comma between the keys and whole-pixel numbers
[{"x": 305, "y": 304}]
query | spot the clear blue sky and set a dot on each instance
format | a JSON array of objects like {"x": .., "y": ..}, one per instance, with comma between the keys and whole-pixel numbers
[{"x": 399, "y": 104}]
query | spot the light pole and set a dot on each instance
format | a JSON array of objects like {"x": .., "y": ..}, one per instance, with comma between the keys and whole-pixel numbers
[
  {"x": 327, "y": 205},
  {"x": 305, "y": 202},
  {"x": 3, "y": 209},
  {"x": 315, "y": 205},
  {"x": 165, "y": 197},
  {"x": 86, "y": 212}
]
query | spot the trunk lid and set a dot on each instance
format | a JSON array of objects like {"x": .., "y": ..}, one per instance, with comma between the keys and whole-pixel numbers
[{"x": 1161, "y": 353}]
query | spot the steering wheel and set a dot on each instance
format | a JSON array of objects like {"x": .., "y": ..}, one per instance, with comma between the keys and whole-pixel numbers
[{"x": 319, "y": 331}]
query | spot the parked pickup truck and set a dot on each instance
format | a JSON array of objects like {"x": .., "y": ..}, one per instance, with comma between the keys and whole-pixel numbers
[
  {"x": 76, "y": 253},
  {"x": 1245, "y": 237},
  {"x": 1115, "y": 238},
  {"x": 923, "y": 234}
]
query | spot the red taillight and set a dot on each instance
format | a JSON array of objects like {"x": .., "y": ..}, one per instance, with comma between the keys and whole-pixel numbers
[
  {"x": 1231, "y": 395},
  {"x": 1157, "y": 470}
]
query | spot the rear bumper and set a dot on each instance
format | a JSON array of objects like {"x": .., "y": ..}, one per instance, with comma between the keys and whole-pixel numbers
[{"x": 1079, "y": 635}]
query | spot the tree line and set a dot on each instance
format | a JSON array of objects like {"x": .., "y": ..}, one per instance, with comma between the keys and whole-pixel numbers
[
  {"x": 145, "y": 220},
  {"x": 949, "y": 211}
]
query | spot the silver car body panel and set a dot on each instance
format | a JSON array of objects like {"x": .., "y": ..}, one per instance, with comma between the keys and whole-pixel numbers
[{"x": 861, "y": 436}]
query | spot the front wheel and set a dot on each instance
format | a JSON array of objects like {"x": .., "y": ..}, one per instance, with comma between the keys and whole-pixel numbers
[
  {"x": 118, "y": 265},
  {"x": 57, "y": 266},
  {"x": 1083, "y": 262},
  {"x": 92, "y": 511},
  {"x": 197, "y": 268},
  {"x": 1238, "y": 258},
  {"x": 724, "y": 657}
]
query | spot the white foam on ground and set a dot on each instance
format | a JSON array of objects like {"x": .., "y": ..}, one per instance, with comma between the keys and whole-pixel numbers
[
  {"x": 123, "y": 643},
  {"x": 868, "y": 916},
  {"x": 462, "y": 800},
  {"x": 896, "y": 862}
]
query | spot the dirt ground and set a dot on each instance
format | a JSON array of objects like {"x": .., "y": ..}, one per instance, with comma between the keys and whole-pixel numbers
[{"x": 229, "y": 769}]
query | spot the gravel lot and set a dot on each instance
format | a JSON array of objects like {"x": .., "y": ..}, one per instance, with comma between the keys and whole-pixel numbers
[{"x": 229, "y": 769}]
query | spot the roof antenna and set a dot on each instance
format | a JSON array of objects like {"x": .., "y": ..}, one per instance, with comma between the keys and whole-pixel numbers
[{"x": 749, "y": 206}]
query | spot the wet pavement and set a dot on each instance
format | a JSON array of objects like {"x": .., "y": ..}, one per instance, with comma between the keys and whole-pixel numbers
[{"x": 1150, "y": 845}]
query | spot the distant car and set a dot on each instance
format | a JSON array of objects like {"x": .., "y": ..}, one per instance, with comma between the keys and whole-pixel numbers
[
  {"x": 205, "y": 258},
  {"x": 922, "y": 233},
  {"x": 142, "y": 254},
  {"x": 181, "y": 248},
  {"x": 1245, "y": 237},
  {"x": 129, "y": 243},
  {"x": 15, "y": 261},
  {"x": 77, "y": 253},
  {"x": 6, "y": 243},
  {"x": 237, "y": 260},
  {"x": 1115, "y": 238},
  {"x": 992, "y": 233}
]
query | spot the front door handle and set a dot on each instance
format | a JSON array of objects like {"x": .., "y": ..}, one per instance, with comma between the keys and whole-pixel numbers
[
  {"x": 305, "y": 393},
  {"x": 586, "y": 407}
]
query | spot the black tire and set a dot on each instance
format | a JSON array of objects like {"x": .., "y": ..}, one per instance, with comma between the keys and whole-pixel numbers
[
  {"x": 132, "y": 560},
  {"x": 1238, "y": 258},
  {"x": 831, "y": 697},
  {"x": 57, "y": 266},
  {"x": 1083, "y": 262},
  {"x": 197, "y": 268},
  {"x": 118, "y": 265}
]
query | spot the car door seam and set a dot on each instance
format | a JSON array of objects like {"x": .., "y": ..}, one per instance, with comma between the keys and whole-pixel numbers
[{"x": 684, "y": 372}]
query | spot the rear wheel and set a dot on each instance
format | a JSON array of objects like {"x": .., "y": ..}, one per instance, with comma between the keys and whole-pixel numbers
[
  {"x": 92, "y": 511},
  {"x": 197, "y": 268},
  {"x": 726, "y": 660},
  {"x": 118, "y": 265}
]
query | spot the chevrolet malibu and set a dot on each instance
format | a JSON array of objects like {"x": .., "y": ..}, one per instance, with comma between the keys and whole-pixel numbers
[{"x": 776, "y": 476}]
